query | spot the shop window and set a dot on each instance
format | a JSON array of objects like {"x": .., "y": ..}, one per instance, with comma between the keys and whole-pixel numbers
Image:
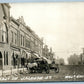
[
  {"x": 23, "y": 61},
  {"x": 5, "y": 58},
  {"x": 1, "y": 61},
  {"x": 13, "y": 59}
]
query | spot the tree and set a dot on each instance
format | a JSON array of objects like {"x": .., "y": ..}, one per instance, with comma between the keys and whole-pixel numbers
[
  {"x": 73, "y": 59},
  {"x": 61, "y": 61}
]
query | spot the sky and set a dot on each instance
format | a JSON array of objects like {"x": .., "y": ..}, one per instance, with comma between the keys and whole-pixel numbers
[{"x": 61, "y": 24}]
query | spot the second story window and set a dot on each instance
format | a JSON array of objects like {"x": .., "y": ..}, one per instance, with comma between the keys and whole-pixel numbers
[
  {"x": 27, "y": 43},
  {"x": 12, "y": 37},
  {"x": 15, "y": 38},
  {"x": 36, "y": 43},
  {"x": 22, "y": 40},
  {"x": 3, "y": 33}
]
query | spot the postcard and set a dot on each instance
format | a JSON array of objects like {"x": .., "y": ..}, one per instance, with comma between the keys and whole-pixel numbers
[{"x": 42, "y": 42}]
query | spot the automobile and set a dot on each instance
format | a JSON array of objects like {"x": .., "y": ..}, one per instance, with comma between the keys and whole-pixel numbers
[
  {"x": 38, "y": 66},
  {"x": 42, "y": 64}
]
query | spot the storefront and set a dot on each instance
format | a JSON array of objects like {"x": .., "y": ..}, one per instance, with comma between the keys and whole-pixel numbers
[
  {"x": 25, "y": 57},
  {"x": 15, "y": 59}
]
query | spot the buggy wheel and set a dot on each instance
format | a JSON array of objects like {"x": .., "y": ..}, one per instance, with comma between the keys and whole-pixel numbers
[
  {"x": 56, "y": 70},
  {"x": 39, "y": 71},
  {"x": 47, "y": 70}
]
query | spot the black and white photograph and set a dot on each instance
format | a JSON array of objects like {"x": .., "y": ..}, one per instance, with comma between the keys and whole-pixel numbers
[{"x": 42, "y": 42}]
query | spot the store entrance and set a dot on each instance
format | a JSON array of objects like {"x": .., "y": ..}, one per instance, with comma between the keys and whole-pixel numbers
[{"x": 0, "y": 60}]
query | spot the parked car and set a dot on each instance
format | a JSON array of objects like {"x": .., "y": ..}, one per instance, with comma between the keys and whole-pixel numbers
[
  {"x": 42, "y": 64},
  {"x": 38, "y": 66}
]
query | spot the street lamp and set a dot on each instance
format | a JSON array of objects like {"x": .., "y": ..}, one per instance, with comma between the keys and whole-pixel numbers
[{"x": 81, "y": 56}]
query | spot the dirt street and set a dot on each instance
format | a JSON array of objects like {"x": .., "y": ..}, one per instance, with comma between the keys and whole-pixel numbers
[{"x": 66, "y": 73}]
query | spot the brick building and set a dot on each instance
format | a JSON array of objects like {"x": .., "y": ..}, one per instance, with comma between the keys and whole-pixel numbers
[
  {"x": 18, "y": 42},
  {"x": 4, "y": 36}
]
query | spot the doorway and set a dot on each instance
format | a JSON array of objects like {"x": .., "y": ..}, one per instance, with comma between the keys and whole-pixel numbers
[{"x": 0, "y": 60}]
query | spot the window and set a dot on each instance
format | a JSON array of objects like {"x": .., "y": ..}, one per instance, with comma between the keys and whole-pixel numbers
[
  {"x": 12, "y": 37},
  {"x": 32, "y": 39},
  {"x": 36, "y": 42},
  {"x": 22, "y": 40},
  {"x": 6, "y": 58},
  {"x": 3, "y": 33},
  {"x": 15, "y": 38},
  {"x": 27, "y": 43}
]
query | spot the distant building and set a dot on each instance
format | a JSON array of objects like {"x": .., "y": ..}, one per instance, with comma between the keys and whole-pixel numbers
[
  {"x": 45, "y": 51},
  {"x": 48, "y": 53},
  {"x": 51, "y": 54}
]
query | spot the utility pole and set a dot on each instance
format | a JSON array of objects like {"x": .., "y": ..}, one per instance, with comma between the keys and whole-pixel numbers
[{"x": 82, "y": 56}]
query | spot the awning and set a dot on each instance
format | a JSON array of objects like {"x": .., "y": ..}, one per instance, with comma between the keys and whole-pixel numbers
[
  {"x": 16, "y": 54},
  {"x": 37, "y": 55},
  {"x": 28, "y": 54}
]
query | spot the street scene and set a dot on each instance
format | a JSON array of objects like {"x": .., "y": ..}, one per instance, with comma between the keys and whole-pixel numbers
[{"x": 41, "y": 42}]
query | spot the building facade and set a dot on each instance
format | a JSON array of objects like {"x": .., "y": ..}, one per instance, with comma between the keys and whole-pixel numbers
[
  {"x": 4, "y": 36},
  {"x": 18, "y": 42}
]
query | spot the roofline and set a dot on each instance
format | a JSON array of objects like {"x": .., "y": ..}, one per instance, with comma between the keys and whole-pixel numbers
[
  {"x": 7, "y": 4},
  {"x": 14, "y": 20}
]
